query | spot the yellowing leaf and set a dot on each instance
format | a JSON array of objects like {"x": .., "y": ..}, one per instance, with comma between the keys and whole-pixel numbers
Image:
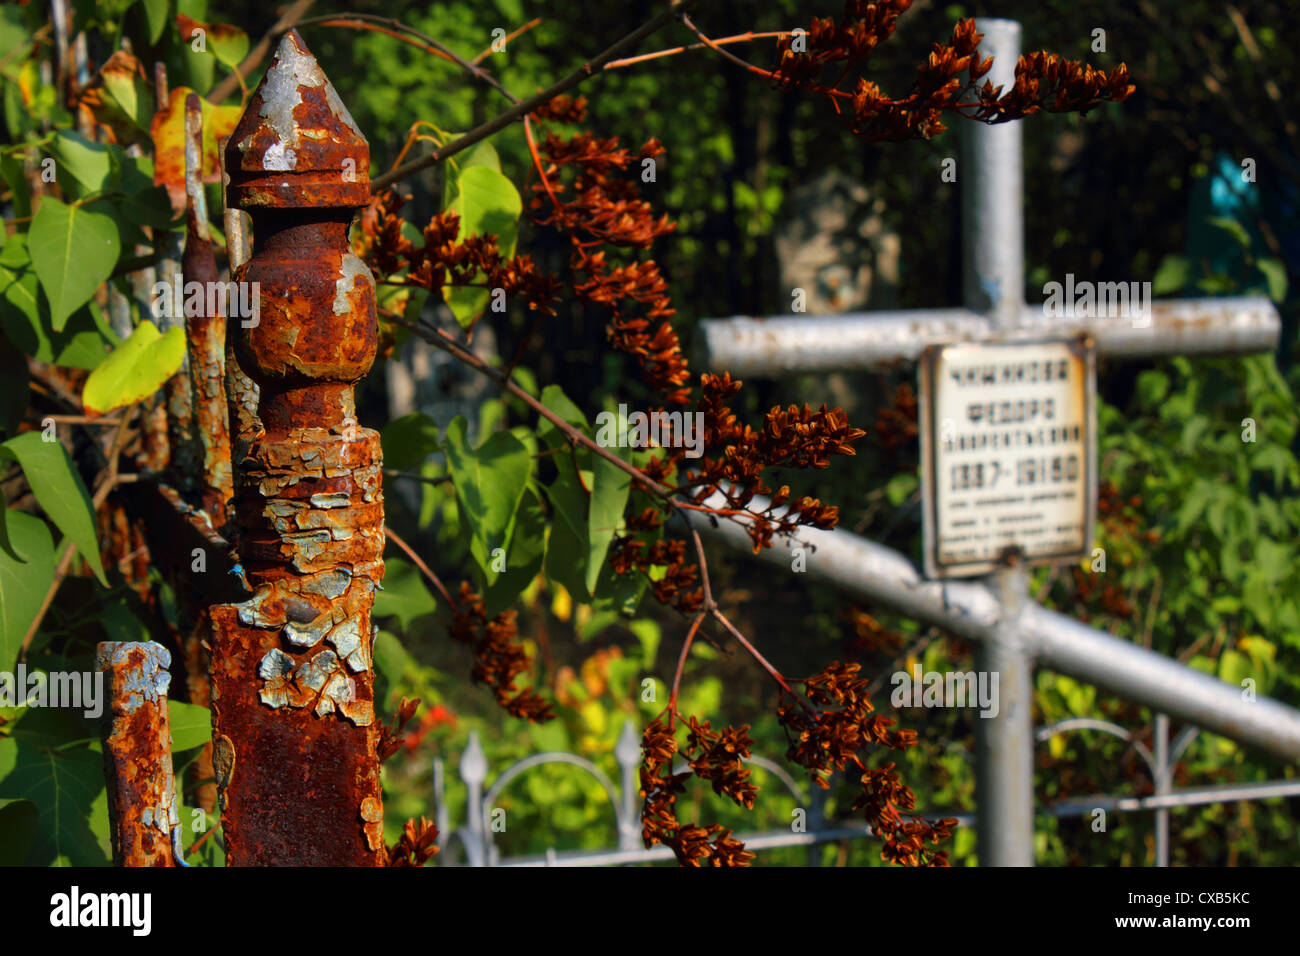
[
  {"x": 135, "y": 369},
  {"x": 168, "y": 132},
  {"x": 119, "y": 98}
]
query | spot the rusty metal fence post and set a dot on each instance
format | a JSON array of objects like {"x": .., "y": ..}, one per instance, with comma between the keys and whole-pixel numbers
[
  {"x": 144, "y": 820},
  {"x": 292, "y": 680}
]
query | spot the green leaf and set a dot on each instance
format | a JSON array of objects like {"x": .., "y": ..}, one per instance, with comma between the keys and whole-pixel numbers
[
  {"x": 404, "y": 595},
  {"x": 1233, "y": 228},
  {"x": 80, "y": 345},
  {"x": 619, "y": 593},
  {"x": 648, "y": 633},
  {"x": 91, "y": 165},
  {"x": 524, "y": 560},
  {"x": 19, "y": 305},
  {"x": 1275, "y": 276},
  {"x": 120, "y": 623},
  {"x": 73, "y": 250},
  {"x": 11, "y": 170},
  {"x": 1235, "y": 667},
  {"x": 18, "y": 821},
  {"x": 229, "y": 44},
  {"x": 392, "y": 660},
  {"x": 132, "y": 95},
  {"x": 25, "y": 319},
  {"x": 13, "y": 31},
  {"x": 553, "y": 398},
  {"x": 408, "y": 441},
  {"x": 489, "y": 484},
  {"x": 1172, "y": 275},
  {"x": 60, "y": 491},
  {"x": 488, "y": 204},
  {"x": 23, "y": 583},
  {"x": 155, "y": 15},
  {"x": 191, "y": 725},
  {"x": 134, "y": 370},
  {"x": 609, "y": 491},
  {"x": 899, "y": 488},
  {"x": 567, "y": 546},
  {"x": 63, "y": 785},
  {"x": 1152, "y": 387}
]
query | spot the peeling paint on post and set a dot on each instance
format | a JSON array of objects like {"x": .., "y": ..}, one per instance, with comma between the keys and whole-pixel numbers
[
  {"x": 142, "y": 812},
  {"x": 205, "y": 334},
  {"x": 241, "y": 391},
  {"x": 292, "y": 674}
]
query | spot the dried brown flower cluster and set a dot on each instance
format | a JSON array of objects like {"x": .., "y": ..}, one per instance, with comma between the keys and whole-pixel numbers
[
  {"x": 584, "y": 189},
  {"x": 391, "y": 738},
  {"x": 896, "y": 423},
  {"x": 716, "y": 756},
  {"x": 736, "y": 457},
  {"x": 1043, "y": 81},
  {"x": 443, "y": 261},
  {"x": 415, "y": 847},
  {"x": 869, "y": 635},
  {"x": 831, "y": 735},
  {"x": 1121, "y": 521},
  {"x": 678, "y": 585},
  {"x": 498, "y": 657}
]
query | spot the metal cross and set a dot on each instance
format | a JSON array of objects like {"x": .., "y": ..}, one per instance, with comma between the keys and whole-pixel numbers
[{"x": 993, "y": 277}]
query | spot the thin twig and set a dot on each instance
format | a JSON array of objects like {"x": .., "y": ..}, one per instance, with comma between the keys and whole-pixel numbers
[
  {"x": 520, "y": 110},
  {"x": 681, "y": 666},
  {"x": 411, "y": 36},
  {"x": 444, "y": 341},
  {"x": 412, "y": 476},
  {"x": 762, "y": 661},
  {"x": 419, "y": 563},
  {"x": 203, "y": 839},
  {"x": 259, "y": 52},
  {"x": 720, "y": 41},
  {"x": 506, "y": 39}
]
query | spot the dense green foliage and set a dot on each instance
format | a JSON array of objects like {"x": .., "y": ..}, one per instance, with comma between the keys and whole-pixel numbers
[{"x": 1201, "y": 541}]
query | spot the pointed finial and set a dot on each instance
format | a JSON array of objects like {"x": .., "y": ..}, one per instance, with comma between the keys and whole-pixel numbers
[{"x": 297, "y": 144}]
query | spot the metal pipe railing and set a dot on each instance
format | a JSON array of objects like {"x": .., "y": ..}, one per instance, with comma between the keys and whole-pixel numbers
[{"x": 873, "y": 572}]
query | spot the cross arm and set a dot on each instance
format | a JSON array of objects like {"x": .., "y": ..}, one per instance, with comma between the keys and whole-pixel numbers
[{"x": 773, "y": 347}]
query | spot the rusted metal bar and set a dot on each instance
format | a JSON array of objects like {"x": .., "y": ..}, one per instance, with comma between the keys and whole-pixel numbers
[
  {"x": 241, "y": 391},
  {"x": 292, "y": 679},
  {"x": 142, "y": 811},
  {"x": 205, "y": 332},
  {"x": 182, "y": 447}
]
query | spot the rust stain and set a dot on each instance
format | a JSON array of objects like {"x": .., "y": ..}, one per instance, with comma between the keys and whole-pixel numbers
[
  {"x": 142, "y": 810},
  {"x": 292, "y": 673}
]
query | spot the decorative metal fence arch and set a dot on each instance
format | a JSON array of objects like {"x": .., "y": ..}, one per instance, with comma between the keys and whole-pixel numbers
[{"x": 474, "y": 836}]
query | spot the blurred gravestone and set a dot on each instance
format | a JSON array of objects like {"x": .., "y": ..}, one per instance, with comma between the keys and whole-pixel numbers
[{"x": 833, "y": 244}]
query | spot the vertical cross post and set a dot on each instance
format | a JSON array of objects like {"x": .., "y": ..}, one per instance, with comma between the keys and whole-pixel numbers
[
  {"x": 294, "y": 745},
  {"x": 993, "y": 280}
]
